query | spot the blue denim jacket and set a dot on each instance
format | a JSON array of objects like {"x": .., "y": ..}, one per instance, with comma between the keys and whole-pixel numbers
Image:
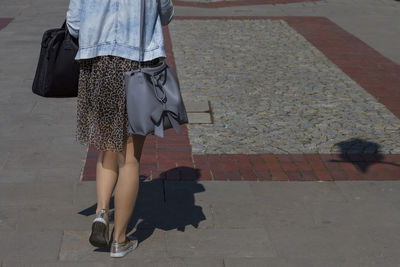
[{"x": 112, "y": 27}]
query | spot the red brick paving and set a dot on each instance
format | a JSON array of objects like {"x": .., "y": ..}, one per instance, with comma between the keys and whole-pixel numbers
[
  {"x": 4, "y": 22},
  {"x": 236, "y": 3},
  {"x": 170, "y": 157}
]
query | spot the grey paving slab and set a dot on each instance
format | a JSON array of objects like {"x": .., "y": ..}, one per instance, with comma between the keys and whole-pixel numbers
[
  {"x": 75, "y": 247},
  {"x": 8, "y": 218},
  {"x": 71, "y": 264},
  {"x": 18, "y": 176},
  {"x": 237, "y": 215},
  {"x": 197, "y": 106},
  {"x": 209, "y": 191},
  {"x": 365, "y": 214},
  {"x": 311, "y": 262},
  {"x": 59, "y": 174},
  {"x": 60, "y": 217},
  {"x": 178, "y": 211},
  {"x": 40, "y": 193},
  {"x": 213, "y": 204},
  {"x": 255, "y": 262},
  {"x": 199, "y": 118},
  {"x": 251, "y": 242},
  {"x": 23, "y": 245},
  {"x": 84, "y": 194},
  {"x": 333, "y": 220},
  {"x": 171, "y": 262}
]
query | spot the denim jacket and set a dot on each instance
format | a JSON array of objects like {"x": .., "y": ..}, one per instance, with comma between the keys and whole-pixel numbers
[{"x": 112, "y": 27}]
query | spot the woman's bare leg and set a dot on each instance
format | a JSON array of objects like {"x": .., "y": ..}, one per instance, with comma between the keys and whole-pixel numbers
[
  {"x": 127, "y": 187},
  {"x": 106, "y": 177}
]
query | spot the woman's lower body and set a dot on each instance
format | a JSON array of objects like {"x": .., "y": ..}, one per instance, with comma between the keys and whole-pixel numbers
[{"x": 102, "y": 121}]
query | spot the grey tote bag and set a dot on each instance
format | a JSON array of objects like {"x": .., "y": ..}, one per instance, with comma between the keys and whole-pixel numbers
[{"x": 153, "y": 97}]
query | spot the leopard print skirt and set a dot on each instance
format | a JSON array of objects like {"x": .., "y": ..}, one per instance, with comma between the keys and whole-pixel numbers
[{"x": 102, "y": 118}]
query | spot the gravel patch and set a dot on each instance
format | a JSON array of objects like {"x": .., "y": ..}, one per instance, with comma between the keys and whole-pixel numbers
[{"x": 271, "y": 91}]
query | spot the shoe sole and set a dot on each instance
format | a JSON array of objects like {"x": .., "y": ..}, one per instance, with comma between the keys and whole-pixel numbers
[
  {"x": 123, "y": 253},
  {"x": 97, "y": 236}
]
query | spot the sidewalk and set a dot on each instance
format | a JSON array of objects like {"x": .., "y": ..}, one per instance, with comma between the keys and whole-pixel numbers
[{"x": 287, "y": 102}]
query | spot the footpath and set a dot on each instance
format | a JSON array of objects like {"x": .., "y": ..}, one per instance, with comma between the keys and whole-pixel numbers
[{"x": 291, "y": 156}]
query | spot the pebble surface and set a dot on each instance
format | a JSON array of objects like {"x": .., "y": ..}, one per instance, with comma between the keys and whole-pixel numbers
[{"x": 271, "y": 91}]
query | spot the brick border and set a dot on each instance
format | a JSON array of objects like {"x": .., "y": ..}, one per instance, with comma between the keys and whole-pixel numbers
[
  {"x": 171, "y": 158},
  {"x": 236, "y": 3},
  {"x": 4, "y": 22}
]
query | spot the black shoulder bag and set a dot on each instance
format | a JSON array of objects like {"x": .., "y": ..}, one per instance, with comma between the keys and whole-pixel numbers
[{"x": 57, "y": 72}]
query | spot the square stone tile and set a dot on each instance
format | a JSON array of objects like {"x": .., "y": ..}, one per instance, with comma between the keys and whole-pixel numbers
[
  {"x": 42, "y": 245},
  {"x": 76, "y": 247},
  {"x": 40, "y": 193},
  {"x": 220, "y": 243},
  {"x": 199, "y": 118},
  {"x": 196, "y": 106}
]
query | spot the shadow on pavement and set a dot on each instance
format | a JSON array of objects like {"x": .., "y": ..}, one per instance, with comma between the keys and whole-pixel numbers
[
  {"x": 361, "y": 153},
  {"x": 162, "y": 204}
]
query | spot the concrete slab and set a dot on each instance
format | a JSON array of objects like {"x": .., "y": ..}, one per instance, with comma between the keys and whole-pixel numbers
[
  {"x": 23, "y": 245},
  {"x": 197, "y": 106},
  {"x": 226, "y": 242},
  {"x": 39, "y": 218},
  {"x": 76, "y": 247},
  {"x": 8, "y": 218},
  {"x": 170, "y": 262},
  {"x": 255, "y": 262},
  {"x": 40, "y": 193},
  {"x": 199, "y": 117}
]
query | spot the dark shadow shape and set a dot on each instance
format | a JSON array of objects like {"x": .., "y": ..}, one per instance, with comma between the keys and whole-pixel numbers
[
  {"x": 166, "y": 202},
  {"x": 361, "y": 153}
]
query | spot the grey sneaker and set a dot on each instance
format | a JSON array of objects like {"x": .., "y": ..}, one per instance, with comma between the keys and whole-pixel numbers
[
  {"x": 121, "y": 249},
  {"x": 99, "y": 235}
]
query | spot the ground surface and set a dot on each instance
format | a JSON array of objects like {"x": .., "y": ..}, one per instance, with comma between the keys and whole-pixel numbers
[{"x": 299, "y": 96}]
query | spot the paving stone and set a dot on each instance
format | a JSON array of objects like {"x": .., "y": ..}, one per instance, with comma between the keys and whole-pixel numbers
[
  {"x": 296, "y": 208},
  {"x": 171, "y": 262},
  {"x": 372, "y": 191},
  {"x": 184, "y": 209},
  {"x": 199, "y": 117},
  {"x": 197, "y": 106},
  {"x": 225, "y": 243},
  {"x": 76, "y": 247},
  {"x": 40, "y": 193},
  {"x": 237, "y": 214},
  {"x": 8, "y": 218},
  {"x": 16, "y": 175},
  {"x": 60, "y": 217},
  {"x": 363, "y": 213},
  {"x": 255, "y": 262},
  {"x": 59, "y": 174},
  {"x": 72, "y": 264},
  {"x": 209, "y": 192},
  {"x": 23, "y": 245}
]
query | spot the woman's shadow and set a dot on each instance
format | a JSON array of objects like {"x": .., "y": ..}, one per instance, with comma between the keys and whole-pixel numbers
[{"x": 162, "y": 203}]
